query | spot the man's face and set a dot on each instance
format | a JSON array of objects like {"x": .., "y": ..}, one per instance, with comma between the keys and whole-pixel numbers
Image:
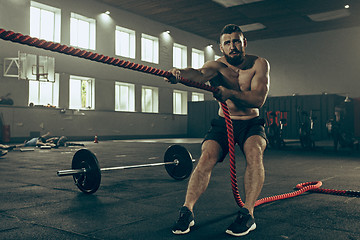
[{"x": 233, "y": 47}]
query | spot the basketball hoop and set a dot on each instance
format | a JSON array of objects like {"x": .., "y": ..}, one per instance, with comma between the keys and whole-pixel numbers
[{"x": 36, "y": 68}]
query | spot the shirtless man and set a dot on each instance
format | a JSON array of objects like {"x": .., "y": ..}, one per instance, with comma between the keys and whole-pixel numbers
[{"x": 243, "y": 83}]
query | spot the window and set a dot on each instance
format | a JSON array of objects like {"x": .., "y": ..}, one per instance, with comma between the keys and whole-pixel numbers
[
  {"x": 45, "y": 22},
  {"x": 217, "y": 57},
  {"x": 149, "y": 48},
  {"x": 124, "y": 97},
  {"x": 179, "y": 102},
  {"x": 82, "y": 93},
  {"x": 150, "y": 99},
  {"x": 82, "y": 31},
  {"x": 197, "y": 58},
  {"x": 44, "y": 93},
  {"x": 179, "y": 56},
  {"x": 124, "y": 42},
  {"x": 197, "y": 97}
]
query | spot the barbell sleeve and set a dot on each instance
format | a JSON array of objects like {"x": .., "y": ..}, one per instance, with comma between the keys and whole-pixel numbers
[{"x": 69, "y": 172}]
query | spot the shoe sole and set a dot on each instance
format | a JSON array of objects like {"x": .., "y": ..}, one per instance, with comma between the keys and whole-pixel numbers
[
  {"x": 253, "y": 227},
  {"x": 3, "y": 153},
  {"x": 179, "y": 232}
]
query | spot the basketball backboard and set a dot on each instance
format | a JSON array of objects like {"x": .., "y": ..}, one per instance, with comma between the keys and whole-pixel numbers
[{"x": 36, "y": 68}]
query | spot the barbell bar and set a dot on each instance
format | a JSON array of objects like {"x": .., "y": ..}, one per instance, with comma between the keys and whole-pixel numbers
[
  {"x": 86, "y": 171},
  {"x": 62, "y": 173}
]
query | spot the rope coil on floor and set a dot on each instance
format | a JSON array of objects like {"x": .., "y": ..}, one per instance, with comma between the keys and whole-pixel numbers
[{"x": 57, "y": 47}]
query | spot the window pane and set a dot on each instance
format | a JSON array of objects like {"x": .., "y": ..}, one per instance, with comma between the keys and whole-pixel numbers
[
  {"x": 124, "y": 98},
  {"x": 117, "y": 97},
  {"x": 197, "y": 97},
  {"x": 46, "y": 92},
  {"x": 195, "y": 59},
  {"x": 177, "y": 103},
  {"x": 124, "y": 94},
  {"x": 34, "y": 92},
  {"x": 177, "y": 57},
  {"x": 73, "y": 31},
  {"x": 47, "y": 25},
  {"x": 75, "y": 94},
  {"x": 35, "y": 22},
  {"x": 124, "y": 43},
  {"x": 148, "y": 100},
  {"x": 85, "y": 94},
  {"x": 83, "y": 31},
  {"x": 148, "y": 50}
]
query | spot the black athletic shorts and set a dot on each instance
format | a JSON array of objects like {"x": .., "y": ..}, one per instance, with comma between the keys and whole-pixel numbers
[{"x": 243, "y": 129}]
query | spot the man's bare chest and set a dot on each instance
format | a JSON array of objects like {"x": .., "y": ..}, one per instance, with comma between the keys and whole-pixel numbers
[
  {"x": 239, "y": 78},
  {"x": 244, "y": 79}
]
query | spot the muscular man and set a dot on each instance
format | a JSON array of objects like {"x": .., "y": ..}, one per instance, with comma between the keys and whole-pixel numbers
[{"x": 243, "y": 83}]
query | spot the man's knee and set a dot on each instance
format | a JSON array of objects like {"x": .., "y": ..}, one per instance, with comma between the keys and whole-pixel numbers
[
  {"x": 210, "y": 155},
  {"x": 254, "y": 149}
]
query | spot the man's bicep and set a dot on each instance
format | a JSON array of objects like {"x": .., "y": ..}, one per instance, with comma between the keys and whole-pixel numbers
[
  {"x": 261, "y": 80},
  {"x": 209, "y": 71}
]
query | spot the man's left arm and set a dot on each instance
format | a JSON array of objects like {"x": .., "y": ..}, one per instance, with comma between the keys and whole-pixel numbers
[{"x": 259, "y": 88}]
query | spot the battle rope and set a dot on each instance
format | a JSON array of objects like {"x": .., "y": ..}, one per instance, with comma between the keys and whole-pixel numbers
[{"x": 57, "y": 47}]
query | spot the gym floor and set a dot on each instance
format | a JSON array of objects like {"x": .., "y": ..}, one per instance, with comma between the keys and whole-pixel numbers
[{"x": 143, "y": 203}]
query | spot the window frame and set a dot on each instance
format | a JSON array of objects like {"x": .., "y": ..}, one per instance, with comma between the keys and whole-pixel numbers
[
  {"x": 201, "y": 59},
  {"x": 131, "y": 97},
  {"x": 74, "y": 37},
  {"x": 36, "y": 31},
  {"x": 131, "y": 43},
  {"x": 154, "y": 99},
  {"x": 155, "y": 48},
  {"x": 183, "y": 102},
  {"x": 89, "y": 99},
  {"x": 183, "y": 57},
  {"x": 54, "y": 92},
  {"x": 200, "y": 95}
]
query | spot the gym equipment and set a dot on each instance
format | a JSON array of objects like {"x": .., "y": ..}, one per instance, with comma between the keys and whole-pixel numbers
[
  {"x": 274, "y": 130},
  {"x": 306, "y": 129},
  {"x": 86, "y": 170}
]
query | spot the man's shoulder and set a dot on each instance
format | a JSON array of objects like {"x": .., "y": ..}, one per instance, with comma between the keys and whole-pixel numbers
[{"x": 217, "y": 64}]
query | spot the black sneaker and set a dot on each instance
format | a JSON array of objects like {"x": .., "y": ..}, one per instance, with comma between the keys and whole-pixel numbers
[
  {"x": 243, "y": 224},
  {"x": 2, "y": 153},
  {"x": 184, "y": 222}
]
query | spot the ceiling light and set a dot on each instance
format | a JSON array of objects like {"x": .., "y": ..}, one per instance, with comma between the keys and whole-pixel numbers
[
  {"x": 325, "y": 16},
  {"x": 232, "y": 3},
  {"x": 347, "y": 99},
  {"x": 252, "y": 27},
  {"x": 107, "y": 12},
  {"x": 347, "y": 6}
]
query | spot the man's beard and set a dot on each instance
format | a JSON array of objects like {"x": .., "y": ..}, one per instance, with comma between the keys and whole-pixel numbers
[{"x": 236, "y": 60}]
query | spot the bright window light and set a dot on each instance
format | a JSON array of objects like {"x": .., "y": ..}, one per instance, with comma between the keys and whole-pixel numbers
[
  {"x": 82, "y": 31},
  {"x": 125, "y": 42},
  {"x": 45, "y": 22}
]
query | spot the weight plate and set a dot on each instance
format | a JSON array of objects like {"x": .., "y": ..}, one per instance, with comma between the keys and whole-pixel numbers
[
  {"x": 89, "y": 181},
  {"x": 183, "y": 169}
]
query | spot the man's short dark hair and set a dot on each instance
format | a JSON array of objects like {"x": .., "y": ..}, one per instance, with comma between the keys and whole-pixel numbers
[{"x": 230, "y": 28}]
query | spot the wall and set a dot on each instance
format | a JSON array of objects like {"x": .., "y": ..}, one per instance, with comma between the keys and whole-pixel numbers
[
  {"x": 313, "y": 63},
  {"x": 288, "y": 107},
  {"x": 14, "y": 15}
]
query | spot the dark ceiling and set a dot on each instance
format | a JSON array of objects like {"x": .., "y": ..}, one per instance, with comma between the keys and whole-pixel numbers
[{"x": 280, "y": 17}]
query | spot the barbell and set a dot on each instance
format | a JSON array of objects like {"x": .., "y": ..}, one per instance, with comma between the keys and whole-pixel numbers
[{"x": 86, "y": 170}]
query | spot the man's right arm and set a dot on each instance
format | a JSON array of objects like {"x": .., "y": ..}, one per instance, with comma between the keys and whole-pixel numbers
[{"x": 202, "y": 75}]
